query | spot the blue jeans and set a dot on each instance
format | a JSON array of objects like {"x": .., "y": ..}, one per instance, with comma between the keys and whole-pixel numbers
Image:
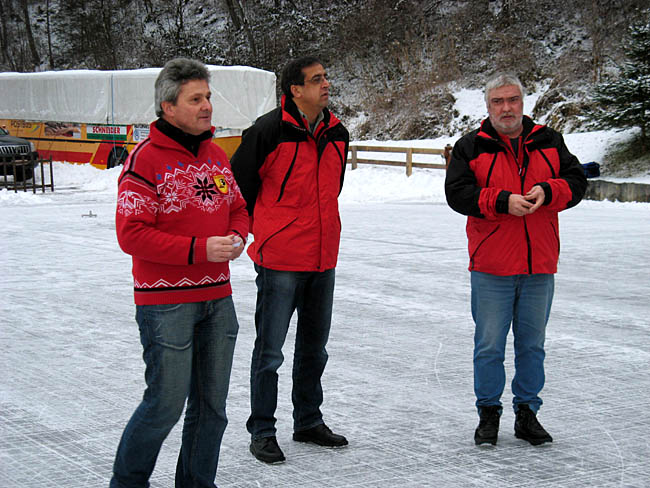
[
  {"x": 188, "y": 351},
  {"x": 279, "y": 294},
  {"x": 498, "y": 301}
]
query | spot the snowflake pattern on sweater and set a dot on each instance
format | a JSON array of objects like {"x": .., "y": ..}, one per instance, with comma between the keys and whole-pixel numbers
[{"x": 194, "y": 186}]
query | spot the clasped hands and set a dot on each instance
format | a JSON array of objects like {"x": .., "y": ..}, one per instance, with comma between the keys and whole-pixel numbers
[{"x": 520, "y": 205}]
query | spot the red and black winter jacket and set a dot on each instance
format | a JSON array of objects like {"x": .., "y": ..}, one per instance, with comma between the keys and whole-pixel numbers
[
  {"x": 291, "y": 179},
  {"x": 169, "y": 202},
  {"x": 484, "y": 172}
]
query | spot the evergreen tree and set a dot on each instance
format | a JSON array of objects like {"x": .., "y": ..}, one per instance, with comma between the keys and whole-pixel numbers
[{"x": 625, "y": 101}]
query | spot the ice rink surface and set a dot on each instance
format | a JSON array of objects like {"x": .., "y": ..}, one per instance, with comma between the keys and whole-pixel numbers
[{"x": 399, "y": 380}]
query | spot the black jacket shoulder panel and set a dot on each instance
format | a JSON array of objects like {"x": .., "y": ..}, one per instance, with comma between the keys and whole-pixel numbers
[
  {"x": 258, "y": 141},
  {"x": 461, "y": 188}
]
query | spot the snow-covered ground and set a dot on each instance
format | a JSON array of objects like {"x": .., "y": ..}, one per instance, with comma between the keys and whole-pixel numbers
[{"x": 399, "y": 381}]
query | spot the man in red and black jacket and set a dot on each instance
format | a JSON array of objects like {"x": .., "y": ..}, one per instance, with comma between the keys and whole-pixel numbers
[
  {"x": 290, "y": 167},
  {"x": 511, "y": 177}
]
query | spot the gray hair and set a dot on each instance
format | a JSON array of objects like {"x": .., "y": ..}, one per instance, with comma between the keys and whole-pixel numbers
[
  {"x": 502, "y": 79},
  {"x": 174, "y": 74}
]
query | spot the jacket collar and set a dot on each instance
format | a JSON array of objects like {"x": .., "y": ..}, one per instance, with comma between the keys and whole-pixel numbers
[
  {"x": 291, "y": 115},
  {"x": 188, "y": 141}
]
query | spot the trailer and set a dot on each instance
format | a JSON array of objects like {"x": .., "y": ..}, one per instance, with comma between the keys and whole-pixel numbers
[{"x": 98, "y": 117}]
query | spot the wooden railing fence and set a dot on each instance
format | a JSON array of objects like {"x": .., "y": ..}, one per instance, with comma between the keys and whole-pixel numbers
[{"x": 355, "y": 149}]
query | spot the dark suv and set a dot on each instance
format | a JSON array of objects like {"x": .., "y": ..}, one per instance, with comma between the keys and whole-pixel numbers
[{"x": 13, "y": 148}]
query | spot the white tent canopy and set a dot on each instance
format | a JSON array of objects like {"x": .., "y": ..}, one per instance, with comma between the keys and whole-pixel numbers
[{"x": 240, "y": 94}]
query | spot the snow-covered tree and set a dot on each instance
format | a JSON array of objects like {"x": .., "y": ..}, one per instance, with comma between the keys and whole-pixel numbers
[{"x": 624, "y": 102}]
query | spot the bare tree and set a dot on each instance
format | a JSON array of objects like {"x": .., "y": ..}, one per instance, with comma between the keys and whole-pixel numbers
[
  {"x": 36, "y": 59},
  {"x": 597, "y": 26},
  {"x": 107, "y": 25},
  {"x": 232, "y": 11},
  {"x": 247, "y": 29},
  {"x": 5, "y": 7},
  {"x": 49, "y": 34},
  {"x": 240, "y": 21}
]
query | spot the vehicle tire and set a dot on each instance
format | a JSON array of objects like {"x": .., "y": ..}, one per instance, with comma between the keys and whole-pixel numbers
[{"x": 116, "y": 157}]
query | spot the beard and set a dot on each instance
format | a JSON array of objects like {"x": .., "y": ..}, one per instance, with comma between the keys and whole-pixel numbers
[{"x": 507, "y": 123}]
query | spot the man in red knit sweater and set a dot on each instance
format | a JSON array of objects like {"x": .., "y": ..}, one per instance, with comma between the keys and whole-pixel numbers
[{"x": 181, "y": 216}]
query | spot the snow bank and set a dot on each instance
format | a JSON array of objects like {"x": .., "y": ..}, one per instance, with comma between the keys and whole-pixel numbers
[
  {"x": 86, "y": 177},
  {"x": 390, "y": 184}
]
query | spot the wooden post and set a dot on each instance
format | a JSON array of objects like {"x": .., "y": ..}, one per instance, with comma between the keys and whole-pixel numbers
[
  {"x": 448, "y": 149},
  {"x": 353, "y": 159},
  {"x": 409, "y": 161}
]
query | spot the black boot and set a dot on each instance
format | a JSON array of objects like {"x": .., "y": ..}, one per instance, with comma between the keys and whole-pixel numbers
[
  {"x": 321, "y": 435},
  {"x": 488, "y": 427},
  {"x": 267, "y": 450},
  {"x": 528, "y": 428}
]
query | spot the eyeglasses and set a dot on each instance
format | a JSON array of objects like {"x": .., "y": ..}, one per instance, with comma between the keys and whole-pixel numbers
[{"x": 318, "y": 79}]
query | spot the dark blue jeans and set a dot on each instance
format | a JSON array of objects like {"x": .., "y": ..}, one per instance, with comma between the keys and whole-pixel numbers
[
  {"x": 497, "y": 302},
  {"x": 279, "y": 294},
  {"x": 188, "y": 351}
]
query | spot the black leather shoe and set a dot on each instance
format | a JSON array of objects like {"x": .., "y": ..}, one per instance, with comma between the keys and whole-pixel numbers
[
  {"x": 321, "y": 435},
  {"x": 267, "y": 450},
  {"x": 528, "y": 428},
  {"x": 487, "y": 431}
]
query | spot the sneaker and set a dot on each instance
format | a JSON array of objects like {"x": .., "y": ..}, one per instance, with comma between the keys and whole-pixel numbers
[
  {"x": 321, "y": 435},
  {"x": 266, "y": 449},
  {"x": 487, "y": 431},
  {"x": 528, "y": 428}
]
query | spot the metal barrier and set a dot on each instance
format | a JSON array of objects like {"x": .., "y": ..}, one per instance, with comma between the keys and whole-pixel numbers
[
  {"x": 408, "y": 151},
  {"x": 22, "y": 170}
]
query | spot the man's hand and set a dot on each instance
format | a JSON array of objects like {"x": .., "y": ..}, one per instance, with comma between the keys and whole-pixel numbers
[
  {"x": 537, "y": 196},
  {"x": 521, "y": 205},
  {"x": 518, "y": 205},
  {"x": 238, "y": 244},
  {"x": 220, "y": 249}
]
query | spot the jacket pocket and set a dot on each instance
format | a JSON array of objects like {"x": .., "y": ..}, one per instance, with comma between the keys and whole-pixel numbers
[
  {"x": 480, "y": 241},
  {"x": 278, "y": 223},
  {"x": 556, "y": 235}
]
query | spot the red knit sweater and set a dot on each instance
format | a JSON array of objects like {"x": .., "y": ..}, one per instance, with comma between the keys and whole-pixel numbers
[{"x": 169, "y": 202}]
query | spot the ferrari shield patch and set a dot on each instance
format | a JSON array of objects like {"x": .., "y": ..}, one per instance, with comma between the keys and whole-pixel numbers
[{"x": 221, "y": 183}]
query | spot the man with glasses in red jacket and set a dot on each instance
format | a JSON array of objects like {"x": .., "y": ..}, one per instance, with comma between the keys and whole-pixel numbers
[
  {"x": 511, "y": 177},
  {"x": 290, "y": 168}
]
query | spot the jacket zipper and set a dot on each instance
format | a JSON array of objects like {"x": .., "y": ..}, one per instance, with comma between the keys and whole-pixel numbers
[
  {"x": 319, "y": 153},
  {"x": 530, "y": 251},
  {"x": 523, "y": 171}
]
